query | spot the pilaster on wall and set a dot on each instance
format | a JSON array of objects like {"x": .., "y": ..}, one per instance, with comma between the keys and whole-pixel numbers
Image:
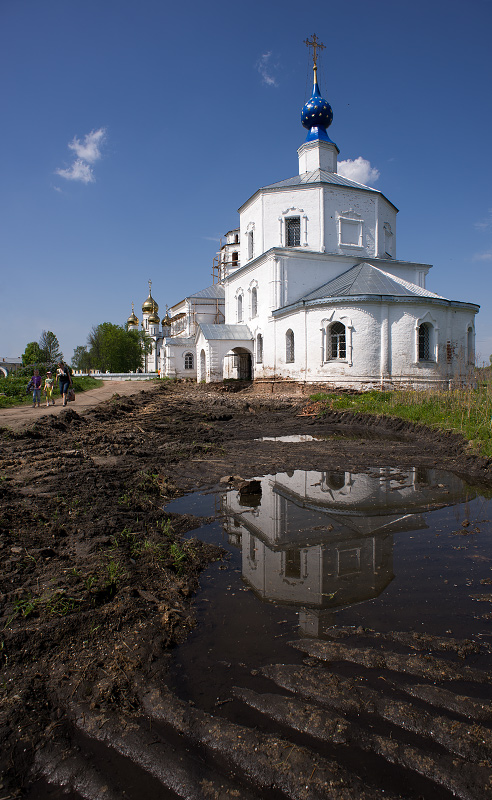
[
  {"x": 276, "y": 270},
  {"x": 385, "y": 342},
  {"x": 214, "y": 365}
]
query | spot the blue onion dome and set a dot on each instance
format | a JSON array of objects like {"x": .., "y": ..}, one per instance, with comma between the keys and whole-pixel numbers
[{"x": 317, "y": 115}]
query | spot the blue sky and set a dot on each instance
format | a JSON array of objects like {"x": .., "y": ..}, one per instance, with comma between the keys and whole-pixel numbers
[{"x": 134, "y": 129}]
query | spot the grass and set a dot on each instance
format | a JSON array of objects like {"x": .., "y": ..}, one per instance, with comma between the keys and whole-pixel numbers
[
  {"x": 466, "y": 410},
  {"x": 13, "y": 390}
]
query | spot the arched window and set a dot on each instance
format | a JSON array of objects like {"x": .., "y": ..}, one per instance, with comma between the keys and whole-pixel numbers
[
  {"x": 251, "y": 244},
  {"x": 203, "y": 365},
  {"x": 424, "y": 342},
  {"x": 338, "y": 341},
  {"x": 239, "y": 308},
  {"x": 289, "y": 346},
  {"x": 189, "y": 360},
  {"x": 254, "y": 301},
  {"x": 470, "y": 346},
  {"x": 259, "y": 349},
  {"x": 235, "y": 258}
]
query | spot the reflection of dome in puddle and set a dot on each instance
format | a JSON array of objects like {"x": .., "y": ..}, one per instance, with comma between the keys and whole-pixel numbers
[{"x": 322, "y": 540}]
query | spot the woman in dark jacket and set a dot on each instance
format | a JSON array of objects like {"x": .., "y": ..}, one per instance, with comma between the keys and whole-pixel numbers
[{"x": 65, "y": 380}]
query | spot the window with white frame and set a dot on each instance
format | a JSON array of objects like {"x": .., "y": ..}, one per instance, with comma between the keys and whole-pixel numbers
[
  {"x": 388, "y": 239},
  {"x": 425, "y": 333},
  {"x": 337, "y": 341},
  {"x": 240, "y": 308},
  {"x": 251, "y": 244},
  {"x": 350, "y": 229},
  {"x": 189, "y": 361},
  {"x": 254, "y": 301},
  {"x": 259, "y": 349},
  {"x": 293, "y": 231},
  {"x": 289, "y": 347}
]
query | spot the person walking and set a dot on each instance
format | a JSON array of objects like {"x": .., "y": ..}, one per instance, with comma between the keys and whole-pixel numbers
[
  {"x": 48, "y": 389},
  {"x": 36, "y": 388},
  {"x": 65, "y": 380}
]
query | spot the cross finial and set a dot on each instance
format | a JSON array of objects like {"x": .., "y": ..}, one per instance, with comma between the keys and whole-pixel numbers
[
  {"x": 314, "y": 44},
  {"x": 133, "y": 308},
  {"x": 150, "y": 287}
]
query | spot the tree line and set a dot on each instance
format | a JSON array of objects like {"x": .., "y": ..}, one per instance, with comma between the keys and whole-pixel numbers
[{"x": 109, "y": 347}]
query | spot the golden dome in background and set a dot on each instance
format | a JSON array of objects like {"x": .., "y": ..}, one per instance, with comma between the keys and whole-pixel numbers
[
  {"x": 132, "y": 319},
  {"x": 150, "y": 306},
  {"x": 153, "y": 318}
]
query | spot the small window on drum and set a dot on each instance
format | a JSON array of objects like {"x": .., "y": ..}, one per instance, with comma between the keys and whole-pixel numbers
[
  {"x": 335, "y": 480},
  {"x": 292, "y": 564},
  {"x": 424, "y": 342},
  {"x": 293, "y": 231},
  {"x": 189, "y": 361},
  {"x": 337, "y": 341}
]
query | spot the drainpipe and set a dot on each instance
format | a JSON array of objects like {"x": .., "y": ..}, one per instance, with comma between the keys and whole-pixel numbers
[{"x": 305, "y": 342}]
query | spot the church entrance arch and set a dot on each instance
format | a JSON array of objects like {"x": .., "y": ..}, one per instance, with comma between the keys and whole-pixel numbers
[{"x": 238, "y": 364}]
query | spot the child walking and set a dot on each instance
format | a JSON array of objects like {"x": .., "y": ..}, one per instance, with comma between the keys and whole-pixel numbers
[
  {"x": 48, "y": 389},
  {"x": 36, "y": 388}
]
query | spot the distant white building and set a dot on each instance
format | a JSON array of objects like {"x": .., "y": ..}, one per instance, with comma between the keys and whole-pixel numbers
[{"x": 309, "y": 289}]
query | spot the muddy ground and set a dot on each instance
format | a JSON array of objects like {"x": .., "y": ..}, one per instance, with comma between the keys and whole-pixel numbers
[{"x": 97, "y": 580}]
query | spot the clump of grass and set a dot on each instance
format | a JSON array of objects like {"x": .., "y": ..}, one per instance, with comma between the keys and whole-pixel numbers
[
  {"x": 467, "y": 410},
  {"x": 24, "y": 607}
]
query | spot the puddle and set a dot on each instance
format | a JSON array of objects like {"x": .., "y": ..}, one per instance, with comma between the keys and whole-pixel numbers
[
  {"x": 390, "y": 549},
  {"x": 344, "y": 642},
  {"x": 294, "y": 438}
]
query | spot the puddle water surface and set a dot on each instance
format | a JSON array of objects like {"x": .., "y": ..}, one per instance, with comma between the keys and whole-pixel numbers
[{"x": 388, "y": 549}]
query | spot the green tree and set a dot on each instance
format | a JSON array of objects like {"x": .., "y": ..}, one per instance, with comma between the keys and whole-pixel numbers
[
  {"x": 81, "y": 358},
  {"x": 50, "y": 347},
  {"x": 112, "y": 347},
  {"x": 32, "y": 354}
]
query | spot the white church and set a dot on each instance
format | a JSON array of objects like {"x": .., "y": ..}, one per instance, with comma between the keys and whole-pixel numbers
[{"x": 308, "y": 288}]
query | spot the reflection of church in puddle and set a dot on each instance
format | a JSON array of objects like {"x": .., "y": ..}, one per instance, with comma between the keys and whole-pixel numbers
[{"x": 324, "y": 540}]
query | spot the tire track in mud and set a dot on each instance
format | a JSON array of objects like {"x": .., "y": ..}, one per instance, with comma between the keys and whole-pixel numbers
[{"x": 317, "y": 735}]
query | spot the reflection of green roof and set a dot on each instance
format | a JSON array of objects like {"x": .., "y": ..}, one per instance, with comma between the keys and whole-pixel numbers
[{"x": 365, "y": 279}]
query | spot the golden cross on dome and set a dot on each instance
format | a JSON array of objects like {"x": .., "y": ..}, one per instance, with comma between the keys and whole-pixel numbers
[
  {"x": 150, "y": 287},
  {"x": 314, "y": 44},
  {"x": 133, "y": 308}
]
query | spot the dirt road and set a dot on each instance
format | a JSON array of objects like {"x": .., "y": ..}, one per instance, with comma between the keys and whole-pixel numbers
[{"x": 21, "y": 416}]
